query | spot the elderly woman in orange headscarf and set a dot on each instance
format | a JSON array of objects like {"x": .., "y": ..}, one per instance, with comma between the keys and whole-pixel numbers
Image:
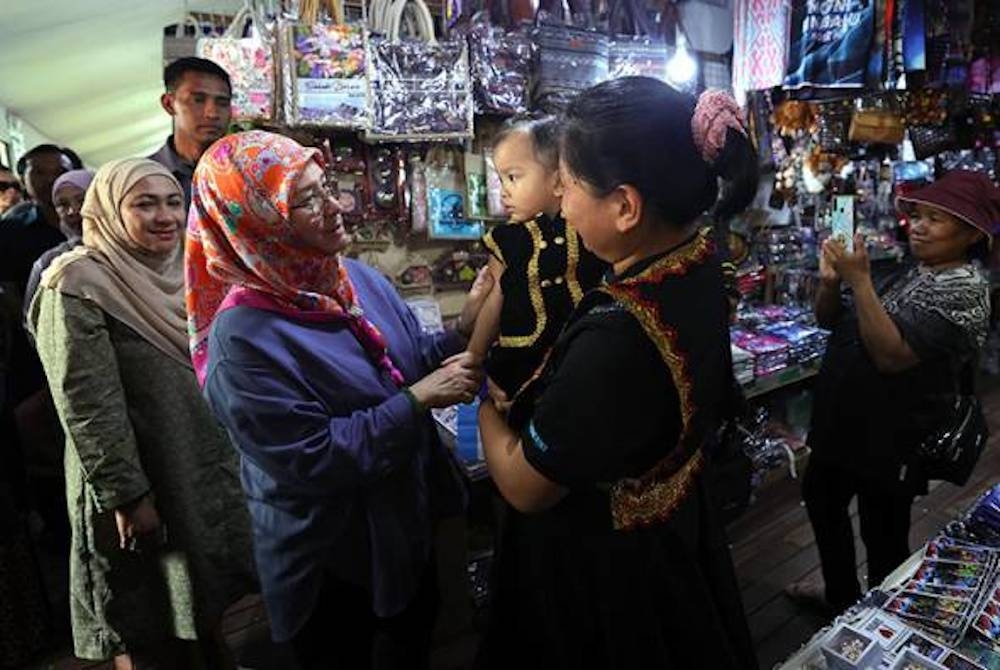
[
  {"x": 160, "y": 532},
  {"x": 323, "y": 378}
]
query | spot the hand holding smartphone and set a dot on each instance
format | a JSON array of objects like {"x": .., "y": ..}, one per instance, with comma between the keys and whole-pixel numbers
[{"x": 843, "y": 221}]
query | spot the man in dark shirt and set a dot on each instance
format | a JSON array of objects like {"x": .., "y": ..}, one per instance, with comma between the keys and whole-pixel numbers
[
  {"x": 28, "y": 421},
  {"x": 10, "y": 189},
  {"x": 31, "y": 228},
  {"x": 198, "y": 97}
]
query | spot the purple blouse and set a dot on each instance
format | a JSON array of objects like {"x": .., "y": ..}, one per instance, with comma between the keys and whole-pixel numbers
[{"x": 341, "y": 474}]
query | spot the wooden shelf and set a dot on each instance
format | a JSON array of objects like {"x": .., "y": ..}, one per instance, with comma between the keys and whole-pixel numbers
[{"x": 787, "y": 377}]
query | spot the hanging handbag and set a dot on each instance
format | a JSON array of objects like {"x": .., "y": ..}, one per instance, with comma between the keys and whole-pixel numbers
[
  {"x": 181, "y": 39},
  {"x": 833, "y": 123},
  {"x": 568, "y": 60},
  {"x": 929, "y": 141},
  {"x": 501, "y": 67},
  {"x": 420, "y": 88},
  {"x": 635, "y": 51},
  {"x": 323, "y": 69},
  {"x": 249, "y": 62},
  {"x": 878, "y": 122},
  {"x": 951, "y": 450}
]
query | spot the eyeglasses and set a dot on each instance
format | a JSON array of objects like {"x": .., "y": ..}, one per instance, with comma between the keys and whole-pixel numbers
[
  {"x": 4, "y": 185},
  {"x": 316, "y": 203}
]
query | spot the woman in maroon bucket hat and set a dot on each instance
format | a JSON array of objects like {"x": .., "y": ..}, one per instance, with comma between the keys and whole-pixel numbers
[{"x": 898, "y": 344}]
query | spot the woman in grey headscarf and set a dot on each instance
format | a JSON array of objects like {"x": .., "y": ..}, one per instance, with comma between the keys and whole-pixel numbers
[{"x": 68, "y": 193}]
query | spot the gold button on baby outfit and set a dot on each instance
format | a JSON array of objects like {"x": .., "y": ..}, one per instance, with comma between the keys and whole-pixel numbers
[
  {"x": 559, "y": 280},
  {"x": 546, "y": 283},
  {"x": 543, "y": 245},
  {"x": 560, "y": 240}
]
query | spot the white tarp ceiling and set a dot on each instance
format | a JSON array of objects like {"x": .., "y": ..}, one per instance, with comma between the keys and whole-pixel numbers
[{"x": 88, "y": 73}]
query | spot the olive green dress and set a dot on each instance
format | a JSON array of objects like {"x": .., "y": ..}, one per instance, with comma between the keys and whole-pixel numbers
[{"x": 135, "y": 423}]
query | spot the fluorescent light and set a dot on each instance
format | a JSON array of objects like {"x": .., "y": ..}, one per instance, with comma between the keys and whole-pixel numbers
[{"x": 681, "y": 68}]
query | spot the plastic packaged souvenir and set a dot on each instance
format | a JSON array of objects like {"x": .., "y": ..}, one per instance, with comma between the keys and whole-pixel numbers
[
  {"x": 475, "y": 185},
  {"x": 770, "y": 353},
  {"x": 908, "y": 659},
  {"x": 805, "y": 343},
  {"x": 346, "y": 170},
  {"x": 924, "y": 646},
  {"x": 446, "y": 217},
  {"x": 954, "y": 661},
  {"x": 420, "y": 88},
  {"x": 325, "y": 65},
  {"x": 569, "y": 60},
  {"x": 847, "y": 649},
  {"x": 494, "y": 189},
  {"x": 743, "y": 365},
  {"x": 887, "y": 631},
  {"x": 418, "y": 195},
  {"x": 428, "y": 313},
  {"x": 500, "y": 61},
  {"x": 981, "y": 524}
]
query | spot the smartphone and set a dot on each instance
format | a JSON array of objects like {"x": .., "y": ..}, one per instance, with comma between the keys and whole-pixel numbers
[{"x": 843, "y": 221}]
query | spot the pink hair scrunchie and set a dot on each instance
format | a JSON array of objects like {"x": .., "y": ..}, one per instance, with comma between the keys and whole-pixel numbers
[{"x": 715, "y": 113}]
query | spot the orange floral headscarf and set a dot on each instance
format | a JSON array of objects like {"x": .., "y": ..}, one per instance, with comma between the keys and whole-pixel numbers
[{"x": 241, "y": 248}]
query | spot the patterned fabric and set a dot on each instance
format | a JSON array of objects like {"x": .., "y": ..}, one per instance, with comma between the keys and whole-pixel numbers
[
  {"x": 760, "y": 45},
  {"x": 240, "y": 239},
  {"x": 250, "y": 66},
  {"x": 715, "y": 113},
  {"x": 960, "y": 296},
  {"x": 715, "y": 72}
]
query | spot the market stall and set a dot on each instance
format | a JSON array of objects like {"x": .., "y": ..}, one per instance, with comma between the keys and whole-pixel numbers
[
  {"x": 940, "y": 609},
  {"x": 849, "y": 104}
]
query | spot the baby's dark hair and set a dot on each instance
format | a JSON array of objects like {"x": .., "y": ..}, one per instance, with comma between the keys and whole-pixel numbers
[
  {"x": 543, "y": 131},
  {"x": 637, "y": 131}
]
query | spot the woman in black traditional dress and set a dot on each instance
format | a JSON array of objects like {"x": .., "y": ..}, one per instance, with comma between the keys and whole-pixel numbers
[{"x": 613, "y": 557}]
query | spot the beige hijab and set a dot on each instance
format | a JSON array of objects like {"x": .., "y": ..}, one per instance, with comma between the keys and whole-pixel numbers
[{"x": 143, "y": 291}]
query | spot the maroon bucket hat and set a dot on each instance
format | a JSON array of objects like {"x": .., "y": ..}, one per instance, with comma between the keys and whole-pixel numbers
[{"x": 969, "y": 196}]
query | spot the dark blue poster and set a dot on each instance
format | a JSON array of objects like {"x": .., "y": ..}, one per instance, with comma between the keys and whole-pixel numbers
[
  {"x": 830, "y": 43},
  {"x": 914, "y": 36}
]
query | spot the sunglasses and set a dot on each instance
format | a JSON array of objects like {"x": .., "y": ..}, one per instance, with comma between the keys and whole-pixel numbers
[{"x": 4, "y": 185}]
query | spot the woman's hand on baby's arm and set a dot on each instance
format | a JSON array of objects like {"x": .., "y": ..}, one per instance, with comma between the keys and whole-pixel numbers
[{"x": 456, "y": 381}]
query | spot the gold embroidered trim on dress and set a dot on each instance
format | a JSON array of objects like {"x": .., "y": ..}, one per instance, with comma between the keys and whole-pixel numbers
[
  {"x": 534, "y": 293},
  {"x": 652, "y": 503},
  {"x": 655, "y": 495},
  {"x": 494, "y": 248},
  {"x": 572, "y": 260}
]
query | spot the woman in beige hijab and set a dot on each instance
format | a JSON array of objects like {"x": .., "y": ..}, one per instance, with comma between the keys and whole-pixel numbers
[{"x": 161, "y": 542}]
